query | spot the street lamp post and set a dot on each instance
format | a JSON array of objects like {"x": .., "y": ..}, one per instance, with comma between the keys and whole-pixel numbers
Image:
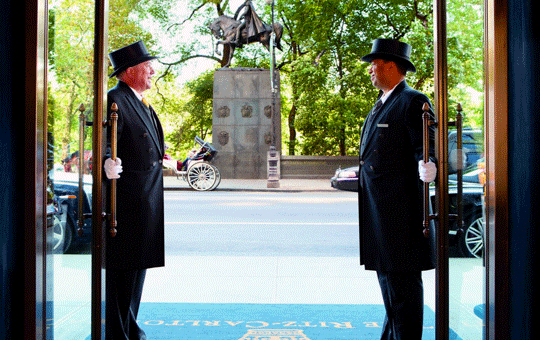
[{"x": 273, "y": 157}]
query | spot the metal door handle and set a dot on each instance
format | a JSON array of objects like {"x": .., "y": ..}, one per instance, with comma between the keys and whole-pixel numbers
[
  {"x": 113, "y": 122},
  {"x": 427, "y": 122},
  {"x": 458, "y": 123},
  {"x": 81, "y": 216},
  {"x": 80, "y": 213}
]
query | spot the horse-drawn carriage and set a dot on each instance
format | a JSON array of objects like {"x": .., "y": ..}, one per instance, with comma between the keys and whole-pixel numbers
[{"x": 197, "y": 171}]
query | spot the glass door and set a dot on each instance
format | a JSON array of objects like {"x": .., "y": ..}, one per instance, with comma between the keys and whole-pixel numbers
[
  {"x": 459, "y": 192},
  {"x": 466, "y": 275},
  {"x": 74, "y": 236}
]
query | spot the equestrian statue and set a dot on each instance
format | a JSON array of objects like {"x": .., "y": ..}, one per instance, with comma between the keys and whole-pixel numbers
[{"x": 244, "y": 28}]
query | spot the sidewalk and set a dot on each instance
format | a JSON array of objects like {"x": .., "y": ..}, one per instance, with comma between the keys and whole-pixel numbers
[{"x": 285, "y": 185}]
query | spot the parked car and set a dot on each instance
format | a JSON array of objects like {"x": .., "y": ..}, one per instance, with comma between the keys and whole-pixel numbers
[
  {"x": 62, "y": 213},
  {"x": 467, "y": 242},
  {"x": 345, "y": 179},
  {"x": 473, "y": 147}
]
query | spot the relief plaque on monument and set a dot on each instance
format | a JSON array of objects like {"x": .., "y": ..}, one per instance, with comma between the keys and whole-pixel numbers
[
  {"x": 243, "y": 126},
  {"x": 247, "y": 111},
  {"x": 223, "y": 112}
]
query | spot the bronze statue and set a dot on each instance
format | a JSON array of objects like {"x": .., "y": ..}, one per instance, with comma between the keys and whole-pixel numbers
[{"x": 243, "y": 29}]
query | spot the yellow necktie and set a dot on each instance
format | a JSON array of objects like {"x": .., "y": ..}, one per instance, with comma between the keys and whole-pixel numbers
[{"x": 145, "y": 102}]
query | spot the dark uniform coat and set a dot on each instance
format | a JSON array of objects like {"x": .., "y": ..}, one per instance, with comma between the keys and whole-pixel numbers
[
  {"x": 140, "y": 242},
  {"x": 390, "y": 191}
]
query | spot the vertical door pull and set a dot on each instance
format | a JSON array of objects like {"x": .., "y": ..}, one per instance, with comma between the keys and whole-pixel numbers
[
  {"x": 459, "y": 164},
  {"x": 427, "y": 122},
  {"x": 113, "y": 121},
  {"x": 80, "y": 212}
]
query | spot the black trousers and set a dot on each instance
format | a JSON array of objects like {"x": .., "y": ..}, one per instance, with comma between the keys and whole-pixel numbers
[
  {"x": 123, "y": 296},
  {"x": 403, "y": 296}
]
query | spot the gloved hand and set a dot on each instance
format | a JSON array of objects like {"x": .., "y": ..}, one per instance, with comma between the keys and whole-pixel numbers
[
  {"x": 112, "y": 168},
  {"x": 427, "y": 171}
]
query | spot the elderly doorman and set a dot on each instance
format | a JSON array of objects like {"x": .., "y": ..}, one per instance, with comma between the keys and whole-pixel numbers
[{"x": 139, "y": 243}]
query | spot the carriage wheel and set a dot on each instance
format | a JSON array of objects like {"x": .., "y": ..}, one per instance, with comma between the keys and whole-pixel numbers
[
  {"x": 218, "y": 178},
  {"x": 201, "y": 176}
]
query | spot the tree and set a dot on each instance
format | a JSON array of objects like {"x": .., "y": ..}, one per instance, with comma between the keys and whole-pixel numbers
[
  {"x": 331, "y": 88},
  {"x": 326, "y": 91},
  {"x": 70, "y": 59},
  {"x": 195, "y": 113},
  {"x": 70, "y": 67}
]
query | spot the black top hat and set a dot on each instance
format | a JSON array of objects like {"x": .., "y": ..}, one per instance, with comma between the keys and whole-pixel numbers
[
  {"x": 128, "y": 56},
  {"x": 390, "y": 49}
]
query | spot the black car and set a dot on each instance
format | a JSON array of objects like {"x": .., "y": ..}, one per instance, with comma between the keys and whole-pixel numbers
[
  {"x": 473, "y": 147},
  {"x": 62, "y": 213},
  {"x": 469, "y": 241},
  {"x": 345, "y": 179}
]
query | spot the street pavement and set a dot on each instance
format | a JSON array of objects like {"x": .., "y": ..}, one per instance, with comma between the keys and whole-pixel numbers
[
  {"x": 301, "y": 278},
  {"x": 285, "y": 185},
  {"x": 262, "y": 279},
  {"x": 266, "y": 279},
  {"x": 298, "y": 279}
]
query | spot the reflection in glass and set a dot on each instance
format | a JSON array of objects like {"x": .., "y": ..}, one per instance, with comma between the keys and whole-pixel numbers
[{"x": 68, "y": 260}]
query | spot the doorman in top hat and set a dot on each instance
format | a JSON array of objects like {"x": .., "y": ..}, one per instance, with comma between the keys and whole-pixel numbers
[
  {"x": 139, "y": 242},
  {"x": 391, "y": 175}
]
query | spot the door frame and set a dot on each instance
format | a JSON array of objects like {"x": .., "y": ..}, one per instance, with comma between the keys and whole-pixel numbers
[
  {"x": 101, "y": 35},
  {"x": 496, "y": 249},
  {"x": 496, "y": 151},
  {"x": 35, "y": 168},
  {"x": 442, "y": 278}
]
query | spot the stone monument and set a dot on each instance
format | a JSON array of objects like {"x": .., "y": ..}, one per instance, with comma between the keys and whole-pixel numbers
[{"x": 243, "y": 128}]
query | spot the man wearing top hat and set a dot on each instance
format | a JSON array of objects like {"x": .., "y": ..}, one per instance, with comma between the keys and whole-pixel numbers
[
  {"x": 391, "y": 175},
  {"x": 139, "y": 242}
]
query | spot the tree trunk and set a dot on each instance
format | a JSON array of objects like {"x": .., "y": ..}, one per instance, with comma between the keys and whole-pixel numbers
[
  {"x": 292, "y": 130},
  {"x": 292, "y": 113},
  {"x": 70, "y": 111},
  {"x": 343, "y": 95}
]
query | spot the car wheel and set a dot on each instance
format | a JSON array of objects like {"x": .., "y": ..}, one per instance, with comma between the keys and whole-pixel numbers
[
  {"x": 61, "y": 234},
  {"x": 472, "y": 240}
]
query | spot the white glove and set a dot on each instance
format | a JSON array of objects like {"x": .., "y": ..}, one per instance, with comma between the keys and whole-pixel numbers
[
  {"x": 112, "y": 168},
  {"x": 427, "y": 171}
]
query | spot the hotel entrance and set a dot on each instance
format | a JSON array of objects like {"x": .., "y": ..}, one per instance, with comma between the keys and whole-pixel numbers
[{"x": 75, "y": 216}]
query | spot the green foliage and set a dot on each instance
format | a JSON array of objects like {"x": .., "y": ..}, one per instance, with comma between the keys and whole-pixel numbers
[
  {"x": 70, "y": 71},
  {"x": 335, "y": 93},
  {"x": 198, "y": 107},
  {"x": 126, "y": 28},
  {"x": 325, "y": 87},
  {"x": 465, "y": 60},
  {"x": 185, "y": 114}
]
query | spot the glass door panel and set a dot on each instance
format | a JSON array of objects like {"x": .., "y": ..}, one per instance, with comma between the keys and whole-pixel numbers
[
  {"x": 69, "y": 232},
  {"x": 466, "y": 261},
  {"x": 466, "y": 160}
]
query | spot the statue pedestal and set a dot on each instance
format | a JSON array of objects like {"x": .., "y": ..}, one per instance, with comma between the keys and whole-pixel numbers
[{"x": 242, "y": 124}]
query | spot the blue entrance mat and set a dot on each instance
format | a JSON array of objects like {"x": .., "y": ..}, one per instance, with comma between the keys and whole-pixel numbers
[{"x": 186, "y": 321}]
